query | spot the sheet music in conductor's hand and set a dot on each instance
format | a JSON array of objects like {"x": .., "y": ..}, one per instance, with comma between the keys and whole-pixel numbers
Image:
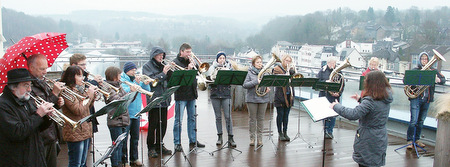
[{"x": 318, "y": 108}]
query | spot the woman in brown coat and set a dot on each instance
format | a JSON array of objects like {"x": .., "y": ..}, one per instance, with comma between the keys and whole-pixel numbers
[{"x": 78, "y": 140}]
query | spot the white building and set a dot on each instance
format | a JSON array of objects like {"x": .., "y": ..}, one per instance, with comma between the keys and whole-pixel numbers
[{"x": 362, "y": 48}]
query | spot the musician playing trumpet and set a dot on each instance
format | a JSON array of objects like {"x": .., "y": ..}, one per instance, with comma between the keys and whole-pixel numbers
[
  {"x": 78, "y": 140},
  {"x": 37, "y": 66},
  {"x": 129, "y": 75},
  {"x": 156, "y": 131},
  {"x": 284, "y": 97},
  {"x": 419, "y": 106},
  {"x": 220, "y": 98},
  {"x": 21, "y": 122}
]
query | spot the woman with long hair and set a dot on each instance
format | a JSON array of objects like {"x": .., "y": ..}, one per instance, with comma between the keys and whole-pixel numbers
[
  {"x": 78, "y": 140},
  {"x": 369, "y": 148},
  {"x": 256, "y": 105}
]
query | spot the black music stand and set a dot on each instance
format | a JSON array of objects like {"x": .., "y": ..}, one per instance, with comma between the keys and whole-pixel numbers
[
  {"x": 181, "y": 78},
  {"x": 325, "y": 86},
  {"x": 227, "y": 77},
  {"x": 272, "y": 81},
  {"x": 301, "y": 82},
  {"x": 419, "y": 78},
  {"x": 107, "y": 108},
  {"x": 110, "y": 150}
]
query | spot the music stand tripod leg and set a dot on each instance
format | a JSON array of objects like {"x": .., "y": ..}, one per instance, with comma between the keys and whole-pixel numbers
[{"x": 195, "y": 130}]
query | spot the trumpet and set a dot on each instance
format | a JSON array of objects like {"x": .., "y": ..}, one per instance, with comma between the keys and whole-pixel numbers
[
  {"x": 145, "y": 78},
  {"x": 105, "y": 85},
  {"x": 173, "y": 66},
  {"x": 68, "y": 94},
  {"x": 140, "y": 90},
  {"x": 56, "y": 116},
  {"x": 106, "y": 94}
]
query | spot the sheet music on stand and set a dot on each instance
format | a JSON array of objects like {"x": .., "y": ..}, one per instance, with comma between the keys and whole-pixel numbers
[{"x": 318, "y": 108}]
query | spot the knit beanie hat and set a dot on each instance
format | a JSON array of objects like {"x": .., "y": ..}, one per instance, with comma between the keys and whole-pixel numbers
[
  {"x": 220, "y": 54},
  {"x": 129, "y": 66}
]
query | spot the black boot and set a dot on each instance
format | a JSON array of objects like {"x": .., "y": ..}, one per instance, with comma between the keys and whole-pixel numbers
[
  {"x": 286, "y": 137},
  {"x": 231, "y": 141},
  {"x": 219, "y": 140}
]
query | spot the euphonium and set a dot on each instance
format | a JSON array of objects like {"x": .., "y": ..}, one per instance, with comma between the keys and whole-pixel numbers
[
  {"x": 415, "y": 91},
  {"x": 56, "y": 116},
  {"x": 337, "y": 77},
  {"x": 140, "y": 90},
  {"x": 145, "y": 78},
  {"x": 68, "y": 94},
  {"x": 261, "y": 91}
]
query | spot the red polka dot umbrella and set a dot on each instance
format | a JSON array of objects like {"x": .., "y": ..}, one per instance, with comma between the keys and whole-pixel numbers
[{"x": 49, "y": 43}]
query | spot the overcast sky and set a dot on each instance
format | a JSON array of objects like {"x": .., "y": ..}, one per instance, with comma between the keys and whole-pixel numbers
[{"x": 230, "y": 8}]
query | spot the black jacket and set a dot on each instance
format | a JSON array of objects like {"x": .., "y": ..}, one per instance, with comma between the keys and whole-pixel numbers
[
  {"x": 185, "y": 93},
  {"x": 323, "y": 75},
  {"x": 154, "y": 70},
  {"x": 41, "y": 89},
  {"x": 20, "y": 143}
]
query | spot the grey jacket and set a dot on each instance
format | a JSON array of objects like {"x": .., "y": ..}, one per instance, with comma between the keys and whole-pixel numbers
[
  {"x": 251, "y": 80},
  {"x": 371, "y": 138},
  {"x": 123, "y": 119}
]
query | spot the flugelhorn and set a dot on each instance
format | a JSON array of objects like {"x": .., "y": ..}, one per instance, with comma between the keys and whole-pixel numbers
[
  {"x": 172, "y": 65},
  {"x": 56, "y": 116},
  {"x": 68, "y": 94},
  {"x": 140, "y": 90},
  {"x": 106, "y": 94},
  {"x": 145, "y": 78},
  {"x": 104, "y": 84}
]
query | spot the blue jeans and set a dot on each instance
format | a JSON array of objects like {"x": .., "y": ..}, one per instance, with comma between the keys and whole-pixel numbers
[
  {"x": 329, "y": 124},
  {"x": 179, "y": 109},
  {"x": 419, "y": 110},
  {"x": 78, "y": 152},
  {"x": 133, "y": 130},
  {"x": 116, "y": 156},
  {"x": 282, "y": 118}
]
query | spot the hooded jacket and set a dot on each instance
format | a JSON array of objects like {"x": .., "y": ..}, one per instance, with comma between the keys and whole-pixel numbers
[
  {"x": 371, "y": 140},
  {"x": 135, "y": 106},
  {"x": 20, "y": 143},
  {"x": 250, "y": 82},
  {"x": 430, "y": 89},
  {"x": 185, "y": 93},
  {"x": 154, "y": 70}
]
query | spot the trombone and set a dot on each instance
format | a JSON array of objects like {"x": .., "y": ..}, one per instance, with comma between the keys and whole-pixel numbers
[
  {"x": 105, "y": 85},
  {"x": 203, "y": 67},
  {"x": 140, "y": 90},
  {"x": 56, "y": 116},
  {"x": 106, "y": 94},
  {"x": 145, "y": 78},
  {"x": 67, "y": 93}
]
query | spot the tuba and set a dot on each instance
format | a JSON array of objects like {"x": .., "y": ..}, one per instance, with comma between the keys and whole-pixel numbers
[
  {"x": 414, "y": 91},
  {"x": 56, "y": 116},
  {"x": 336, "y": 77},
  {"x": 260, "y": 90}
]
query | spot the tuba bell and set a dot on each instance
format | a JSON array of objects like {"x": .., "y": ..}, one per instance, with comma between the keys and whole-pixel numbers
[
  {"x": 260, "y": 90},
  {"x": 336, "y": 77},
  {"x": 414, "y": 91}
]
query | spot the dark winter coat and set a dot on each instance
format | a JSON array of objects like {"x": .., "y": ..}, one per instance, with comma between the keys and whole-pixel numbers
[
  {"x": 371, "y": 140},
  {"x": 324, "y": 75},
  {"x": 250, "y": 82},
  {"x": 123, "y": 119},
  {"x": 154, "y": 70},
  {"x": 185, "y": 93},
  {"x": 20, "y": 143},
  {"x": 220, "y": 91},
  {"x": 41, "y": 89}
]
